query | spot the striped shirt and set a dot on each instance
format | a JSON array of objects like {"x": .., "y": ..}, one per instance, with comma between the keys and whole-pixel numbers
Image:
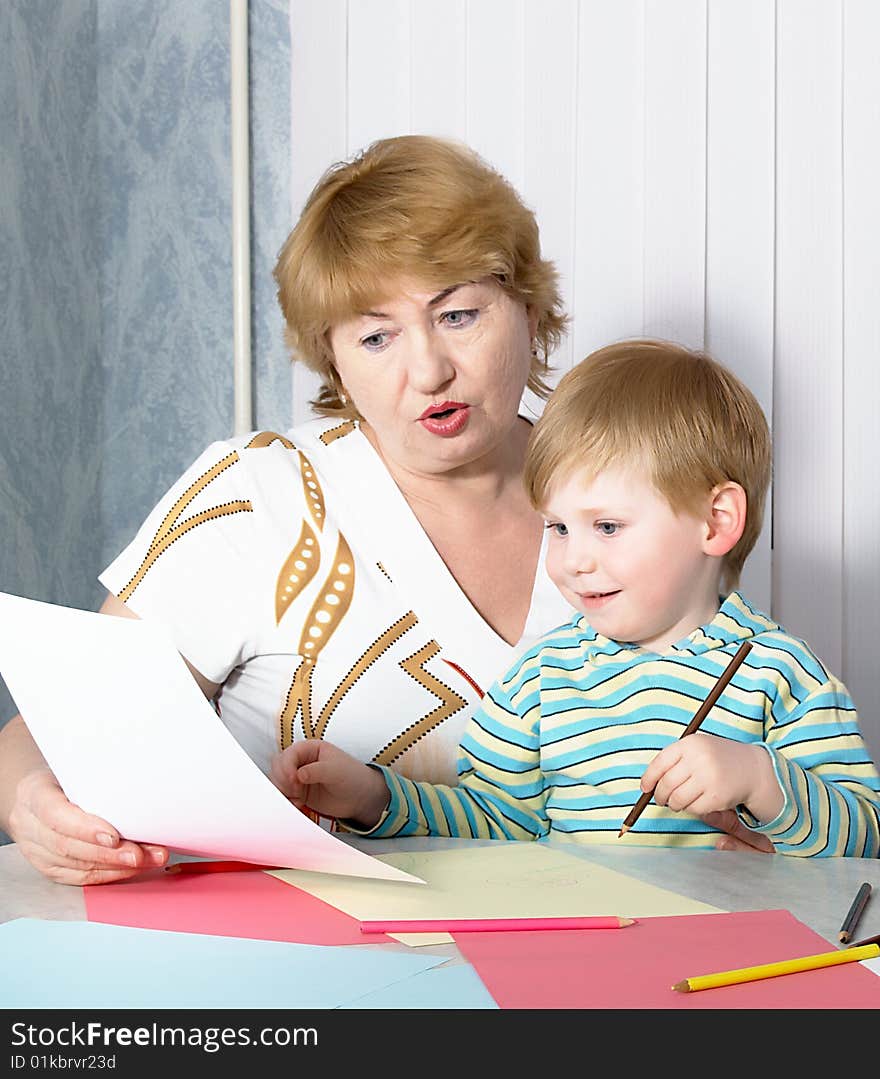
[{"x": 559, "y": 744}]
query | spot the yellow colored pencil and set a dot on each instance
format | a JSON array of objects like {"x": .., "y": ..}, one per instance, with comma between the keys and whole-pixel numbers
[{"x": 773, "y": 970}]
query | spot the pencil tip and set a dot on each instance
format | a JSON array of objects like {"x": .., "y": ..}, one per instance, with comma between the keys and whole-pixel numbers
[
  {"x": 623, "y": 830},
  {"x": 626, "y": 921},
  {"x": 843, "y": 938},
  {"x": 682, "y": 987}
]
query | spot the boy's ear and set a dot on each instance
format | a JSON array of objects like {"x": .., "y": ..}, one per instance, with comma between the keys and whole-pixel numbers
[{"x": 726, "y": 518}]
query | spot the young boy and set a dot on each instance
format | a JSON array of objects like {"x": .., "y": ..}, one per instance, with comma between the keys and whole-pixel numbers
[{"x": 650, "y": 465}]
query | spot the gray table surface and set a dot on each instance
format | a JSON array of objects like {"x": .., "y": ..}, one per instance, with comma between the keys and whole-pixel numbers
[{"x": 818, "y": 891}]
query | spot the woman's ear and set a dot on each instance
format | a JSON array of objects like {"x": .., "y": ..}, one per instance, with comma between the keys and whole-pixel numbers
[{"x": 726, "y": 518}]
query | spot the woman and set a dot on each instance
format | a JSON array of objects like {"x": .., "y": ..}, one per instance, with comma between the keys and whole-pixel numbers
[{"x": 367, "y": 575}]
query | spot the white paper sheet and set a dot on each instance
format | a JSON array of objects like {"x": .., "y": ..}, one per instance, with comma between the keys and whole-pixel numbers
[{"x": 132, "y": 739}]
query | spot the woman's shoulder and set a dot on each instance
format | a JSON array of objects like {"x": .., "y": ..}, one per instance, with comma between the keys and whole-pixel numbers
[
  {"x": 242, "y": 472},
  {"x": 273, "y": 470},
  {"x": 308, "y": 438},
  {"x": 267, "y": 448}
]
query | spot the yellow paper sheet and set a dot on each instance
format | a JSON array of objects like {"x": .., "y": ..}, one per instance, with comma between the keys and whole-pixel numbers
[{"x": 505, "y": 880}]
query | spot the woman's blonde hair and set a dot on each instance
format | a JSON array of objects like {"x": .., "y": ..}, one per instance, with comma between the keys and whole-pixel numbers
[
  {"x": 414, "y": 207},
  {"x": 678, "y": 413}
]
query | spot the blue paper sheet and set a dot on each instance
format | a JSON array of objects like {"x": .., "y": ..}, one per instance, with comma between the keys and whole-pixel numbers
[
  {"x": 457, "y": 986},
  {"x": 48, "y": 964}
]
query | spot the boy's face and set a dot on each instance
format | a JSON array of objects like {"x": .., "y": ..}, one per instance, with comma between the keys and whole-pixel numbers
[{"x": 619, "y": 554}]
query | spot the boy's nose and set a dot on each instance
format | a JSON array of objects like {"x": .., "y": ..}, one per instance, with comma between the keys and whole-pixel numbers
[{"x": 579, "y": 560}]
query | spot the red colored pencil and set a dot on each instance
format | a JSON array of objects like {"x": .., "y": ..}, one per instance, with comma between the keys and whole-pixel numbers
[
  {"x": 491, "y": 925},
  {"x": 187, "y": 868}
]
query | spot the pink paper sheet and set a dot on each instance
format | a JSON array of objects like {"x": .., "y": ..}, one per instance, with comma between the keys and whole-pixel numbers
[
  {"x": 636, "y": 967},
  {"x": 251, "y": 904}
]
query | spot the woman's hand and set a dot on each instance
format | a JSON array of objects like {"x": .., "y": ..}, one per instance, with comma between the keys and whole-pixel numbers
[
  {"x": 68, "y": 845},
  {"x": 738, "y": 837},
  {"x": 315, "y": 774}
]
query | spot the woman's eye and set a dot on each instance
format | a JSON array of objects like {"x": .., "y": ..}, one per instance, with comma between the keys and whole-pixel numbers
[
  {"x": 459, "y": 318},
  {"x": 375, "y": 341},
  {"x": 608, "y": 528},
  {"x": 557, "y": 527}
]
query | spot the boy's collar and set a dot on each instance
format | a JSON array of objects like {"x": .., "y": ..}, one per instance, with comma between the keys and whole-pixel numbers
[{"x": 736, "y": 620}]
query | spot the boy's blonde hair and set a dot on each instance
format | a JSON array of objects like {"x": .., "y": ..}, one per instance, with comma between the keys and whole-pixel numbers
[
  {"x": 415, "y": 207},
  {"x": 677, "y": 412}
]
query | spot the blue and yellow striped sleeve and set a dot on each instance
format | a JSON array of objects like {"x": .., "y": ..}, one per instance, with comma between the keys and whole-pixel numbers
[
  {"x": 831, "y": 785},
  {"x": 500, "y": 792}
]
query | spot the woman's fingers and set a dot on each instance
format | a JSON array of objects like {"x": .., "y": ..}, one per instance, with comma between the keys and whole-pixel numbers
[
  {"x": 78, "y": 873},
  {"x": 69, "y": 845},
  {"x": 76, "y": 829},
  {"x": 42, "y": 804},
  {"x": 737, "y": 836},
  {"x": 156, "y": 856}
]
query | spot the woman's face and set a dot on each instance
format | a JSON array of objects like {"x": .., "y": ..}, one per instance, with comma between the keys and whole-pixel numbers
[{"x": 437, "y": 376}]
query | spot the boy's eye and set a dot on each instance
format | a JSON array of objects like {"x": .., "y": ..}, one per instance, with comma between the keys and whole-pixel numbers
[
  {"x": 607, "y": 528},
  {"x": 556, "y": 526}
]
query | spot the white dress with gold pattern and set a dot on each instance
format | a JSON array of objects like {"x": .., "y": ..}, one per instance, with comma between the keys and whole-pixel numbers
[{"x": 290, "y": 569}]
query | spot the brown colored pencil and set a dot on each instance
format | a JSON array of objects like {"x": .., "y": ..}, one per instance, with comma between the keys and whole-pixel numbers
[
  {"x": 694, "y": 724},
  {"x": 868, "y": 940}
]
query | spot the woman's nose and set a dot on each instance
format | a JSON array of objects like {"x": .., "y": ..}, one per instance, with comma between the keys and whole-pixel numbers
[{"x": 430, "y": 365}]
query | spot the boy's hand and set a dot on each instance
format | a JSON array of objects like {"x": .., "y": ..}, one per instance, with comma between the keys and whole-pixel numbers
[
  {"x": 318, "y": 775},
  {"x": 703, "y": 773}
]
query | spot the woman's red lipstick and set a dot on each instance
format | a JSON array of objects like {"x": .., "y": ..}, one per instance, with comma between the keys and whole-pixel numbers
[{"x": 446, "y": 418}]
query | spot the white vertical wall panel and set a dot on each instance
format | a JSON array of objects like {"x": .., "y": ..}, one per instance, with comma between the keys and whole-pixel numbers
[
  {"x": 318, "y": 74},
  {"x": 675, "y": 170},
  {"x": 439, "y": 69},
  {"x": 861, "y": 324},
  {"x": 740, "y": 163},
  {"x": 496, "y": 59},
  {"x": 808, "y": 370},
  {"x": 317, "y": 59},
  {"x": 608, "y": 219},
  {"x": 550, "y": 142},
  {"x": 379, "y": 58},
  {"x": 704, "y": 170}
]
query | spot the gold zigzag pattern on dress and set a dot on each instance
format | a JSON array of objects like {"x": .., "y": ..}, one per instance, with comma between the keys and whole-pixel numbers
[
  {"x": 378, "y": 648},
  {"x": 450, "y": 703},
  {"x": 327, "y": 612},
  {"x": 170, "y": 530},
  {"x": 337, "y": 432},
  {"x": 266, "y": 438}
]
